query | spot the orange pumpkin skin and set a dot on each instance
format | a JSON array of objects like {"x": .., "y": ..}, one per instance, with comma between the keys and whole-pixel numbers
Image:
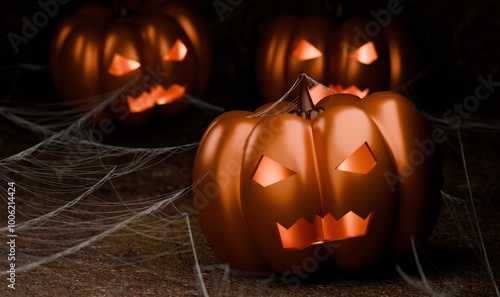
[
  {"x": 276, "y": 65},
  {"x": 241, "y": 212},
  {"x": 86, "y": 44}
]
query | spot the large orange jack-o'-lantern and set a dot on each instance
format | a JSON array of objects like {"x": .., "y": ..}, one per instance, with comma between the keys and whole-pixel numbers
[
  {"x": 346, "y": 58},
  {"x": 98, "y": 50},
  {"x": 272, "y": 186}
]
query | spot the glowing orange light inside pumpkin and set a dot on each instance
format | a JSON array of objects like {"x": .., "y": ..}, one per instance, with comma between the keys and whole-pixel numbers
[
  {"x": 303, "y": 233},
  {"x": 269, "y": 172},
  {"x": 353, "y": 90},
  {"x": 305, "y": 51},
  {"x": 173, "y": 93},
  {"x": 365, "y": 54},
  {"x": 177, "y": 52},
  {"x": 361, "y": 161},
  {"x": 121, "y": 65},
  {"x": 319, "y": 92},
  {"x": 158, "y": 95}
]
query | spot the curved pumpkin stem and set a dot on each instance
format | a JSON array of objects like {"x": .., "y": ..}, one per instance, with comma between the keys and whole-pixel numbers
[
  {"x": 339, "y": 11},
  {"x": 120, "y": 9},
  {"x": 305, "y": 108},
  {"x": 123, "y": 12}
]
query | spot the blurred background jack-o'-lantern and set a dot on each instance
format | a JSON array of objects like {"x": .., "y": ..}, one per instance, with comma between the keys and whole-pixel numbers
[
  {"x": 159, "y": 48},
  {"x": 348, "y": 58}
]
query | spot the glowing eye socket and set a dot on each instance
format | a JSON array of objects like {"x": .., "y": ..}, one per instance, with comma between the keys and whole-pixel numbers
[
  {"x": 269, "y": 172},
  {"x": 361, "y": 161},
  {"x": 177, "y": 52},
  {"x": 365, "y": 54},
  {"x": 121, "y": 65},
  {"x": 305, "y": 51}
]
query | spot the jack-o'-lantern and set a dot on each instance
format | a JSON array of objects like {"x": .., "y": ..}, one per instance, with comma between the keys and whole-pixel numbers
[
  {"x": 159, "y": 49},
  {"x": 270, "y": 187},
  {"x": 349, "y": 58}
]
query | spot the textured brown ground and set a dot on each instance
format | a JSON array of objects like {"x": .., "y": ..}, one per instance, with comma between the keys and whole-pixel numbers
[{"x": 129, "y": 265}]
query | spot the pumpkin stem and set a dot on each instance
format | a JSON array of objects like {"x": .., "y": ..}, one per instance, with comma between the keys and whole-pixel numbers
[
  {"x": 305, "y": 108},
  {"x": 123, "y": 12},
  {"x": 339, "y": 11}
]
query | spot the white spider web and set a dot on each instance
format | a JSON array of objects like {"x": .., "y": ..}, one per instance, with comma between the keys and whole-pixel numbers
[{"x": 67, "y": 200}]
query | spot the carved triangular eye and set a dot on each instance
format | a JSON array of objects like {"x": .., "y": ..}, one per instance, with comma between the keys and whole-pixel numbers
[
  {"x": 177, "y": 52},
  {"x": 305, "y": 51},
  {"x": 121, "y": 65},
  {"x": 361, "y": 161},
  {"x": 365, "y": 54},
  {"x": 269, "y": 172}
]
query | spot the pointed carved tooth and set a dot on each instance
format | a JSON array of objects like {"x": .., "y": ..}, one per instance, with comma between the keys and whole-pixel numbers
[
  {"x": 156, "y": 96},
  {"x": 303, "y": 233}
]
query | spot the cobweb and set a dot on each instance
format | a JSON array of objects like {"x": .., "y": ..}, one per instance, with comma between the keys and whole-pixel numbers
[{"x": 78, "y": 199}]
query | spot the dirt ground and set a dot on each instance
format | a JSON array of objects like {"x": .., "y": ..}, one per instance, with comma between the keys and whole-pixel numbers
[{"x": 125, "y": 263}]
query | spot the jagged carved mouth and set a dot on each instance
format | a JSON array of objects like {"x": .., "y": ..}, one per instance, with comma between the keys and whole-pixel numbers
[
  {"x": 349, "y": 90},
  {"x": 303, "y": 234},
  {"x": 319, "y": 91},
  {"x": 156, "y": 95}
]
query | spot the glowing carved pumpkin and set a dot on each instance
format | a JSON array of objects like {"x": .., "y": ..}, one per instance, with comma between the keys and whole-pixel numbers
[
  {"x": 345, "y": 58},
  {"x": 274, "y": 186},
  {"x": 98, "y": 50}
]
